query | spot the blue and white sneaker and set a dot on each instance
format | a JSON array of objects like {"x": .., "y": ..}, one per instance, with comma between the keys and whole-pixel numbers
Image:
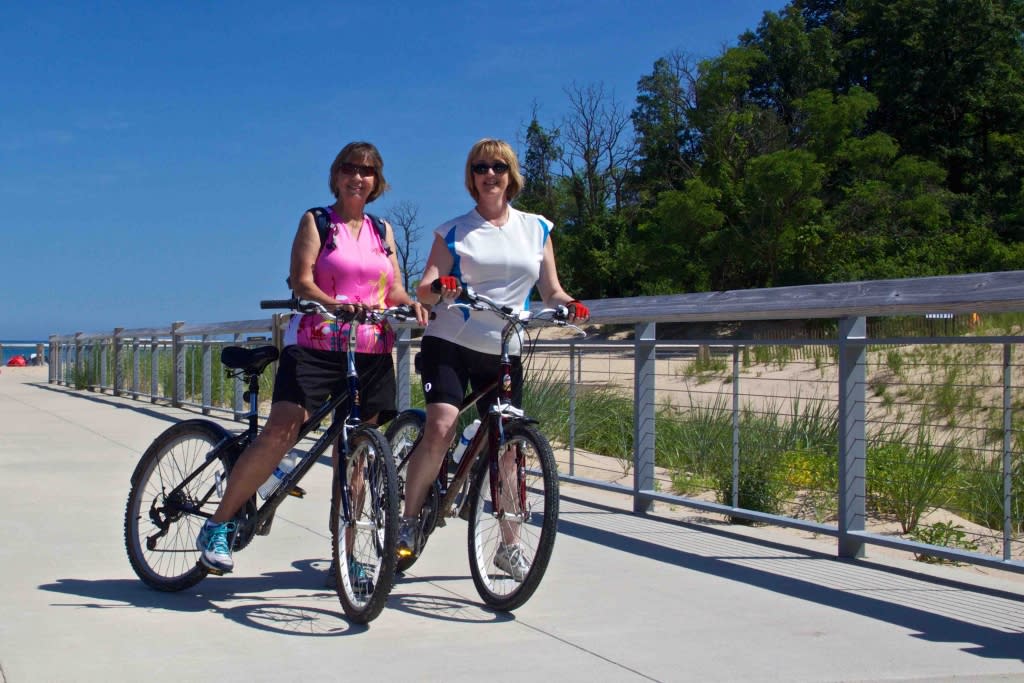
[
  {"x": 361, "y": 576},
  {"x": 215, "y": 544}
]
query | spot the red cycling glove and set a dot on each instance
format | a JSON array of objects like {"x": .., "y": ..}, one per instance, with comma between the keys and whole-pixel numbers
[
  {"x": 578, "y": 310},
  {"x": 448, "y": 282}
]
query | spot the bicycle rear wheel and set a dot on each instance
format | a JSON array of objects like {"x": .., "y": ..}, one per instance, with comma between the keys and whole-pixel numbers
[
  {"x": 510, "y": 544},
  {"x": 162, "y": 518},
  {"x": 364, "y": 526},
  {"x": 403, "y": 434}
]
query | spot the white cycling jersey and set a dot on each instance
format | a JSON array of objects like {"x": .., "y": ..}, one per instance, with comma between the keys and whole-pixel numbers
[{"x": 502, "y": 264}]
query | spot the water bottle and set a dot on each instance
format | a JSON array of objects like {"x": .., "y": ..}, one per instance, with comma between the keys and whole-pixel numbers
[
  {"x": 287, "y": 464},
  {"x": 467, "y": 435}
]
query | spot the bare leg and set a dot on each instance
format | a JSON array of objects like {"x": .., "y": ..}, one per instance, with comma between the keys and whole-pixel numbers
[
  {"x": 425, "y": 459},
  {"x": 261, "y": 457},
  {"x": 509, "y": 492},
  {"x": 355, "y": 482}
]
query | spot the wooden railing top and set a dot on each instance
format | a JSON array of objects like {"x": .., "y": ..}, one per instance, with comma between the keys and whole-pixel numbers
[{"x": 974, "y": 293}]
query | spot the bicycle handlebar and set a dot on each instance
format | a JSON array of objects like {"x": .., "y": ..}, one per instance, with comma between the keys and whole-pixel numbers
[
  {"x": 469, "y": 299},
  {"x": 361, "y": 314}
]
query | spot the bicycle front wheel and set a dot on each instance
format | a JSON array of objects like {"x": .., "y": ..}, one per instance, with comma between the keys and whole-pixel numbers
[
  {"x": 364, "y": 525},
  {"x": 512, "y": 530},
  {"x": 162, "y": 517}
]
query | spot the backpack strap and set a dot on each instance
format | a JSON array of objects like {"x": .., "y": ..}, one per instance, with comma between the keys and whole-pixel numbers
[
  {"x": 323, "y": 227},
  {"x": 382, "y": 231},
  {"x": 323, "y": 224}
]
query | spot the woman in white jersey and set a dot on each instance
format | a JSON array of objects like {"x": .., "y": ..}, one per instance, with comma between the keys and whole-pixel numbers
[{"x": 502, "y": 253}]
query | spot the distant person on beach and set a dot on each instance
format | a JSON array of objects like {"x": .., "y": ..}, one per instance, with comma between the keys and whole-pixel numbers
[
  {"x": 354, "y": 268},
  {"x": 502, "y": 253}
]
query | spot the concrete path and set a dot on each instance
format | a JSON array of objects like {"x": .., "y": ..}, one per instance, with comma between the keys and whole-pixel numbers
[{"x": 626, "y": 598}]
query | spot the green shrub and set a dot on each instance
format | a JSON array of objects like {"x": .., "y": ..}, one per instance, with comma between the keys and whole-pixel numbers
[
  {"x": 944, "y": 534},
  {"x": 980, "y": 497},
  {"x": 906, "y": 477}
]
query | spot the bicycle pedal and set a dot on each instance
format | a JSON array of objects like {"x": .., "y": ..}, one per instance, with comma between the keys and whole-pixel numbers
[
  {"x": 211, "y": 570},
  {"x": 441, "y": 521},
  {"x": 297, "y": 491}
]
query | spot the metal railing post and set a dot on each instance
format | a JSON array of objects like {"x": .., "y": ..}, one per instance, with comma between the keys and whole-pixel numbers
[
  {"x": 643, "y": 415},
  {"x": 154, "y": 369},
  {"x": 735, "y": 427},
  {"x": 207, "y": 375},
  {"x": 852, "y": 444},
  {"x": 78, "y": 359},
  {"x": 1007, "y": 452},
  {"x": 178, "y": 365},
  {"x": 403, "y": 350},
  {"x": 52, "y": 367},
  {"x": 103, "y": 356},
  {"x": 135, "y": 368},
  {"x": 118, "y": 370},
  {"x": 572, "y": 408}
]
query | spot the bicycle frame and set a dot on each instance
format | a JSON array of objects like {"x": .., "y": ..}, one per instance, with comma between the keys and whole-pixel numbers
[
  {"x": 492, "y": 432},
  {"x": 236, "y": 445}
]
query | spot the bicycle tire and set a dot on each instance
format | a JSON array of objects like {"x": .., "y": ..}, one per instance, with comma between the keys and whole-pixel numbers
[
  {"x": 403, "y": 434},
  {"x": 159, "y": 537},
  {"x": 535, "y": 533},
  {"x": 374, "y": 526}
]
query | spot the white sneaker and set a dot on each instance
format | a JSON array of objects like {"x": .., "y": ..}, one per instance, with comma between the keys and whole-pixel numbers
[{"x": 512, "y": 560}]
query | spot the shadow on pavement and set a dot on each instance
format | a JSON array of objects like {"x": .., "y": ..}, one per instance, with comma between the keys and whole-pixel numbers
[
  {"x": 847, "y": 577},
  {"x": 278, "y": 614}
]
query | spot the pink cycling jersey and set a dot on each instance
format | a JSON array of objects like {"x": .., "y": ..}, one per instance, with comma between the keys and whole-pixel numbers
[{"x": 358, "y": 271}]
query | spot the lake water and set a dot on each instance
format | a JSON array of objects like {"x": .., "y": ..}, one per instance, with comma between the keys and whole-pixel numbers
[{"x": 10, "y": 350}]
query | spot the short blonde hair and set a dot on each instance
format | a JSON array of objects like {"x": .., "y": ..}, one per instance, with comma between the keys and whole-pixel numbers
[
  {"x": 491, "y": 148},
  {"x": 359, "y": 151}
]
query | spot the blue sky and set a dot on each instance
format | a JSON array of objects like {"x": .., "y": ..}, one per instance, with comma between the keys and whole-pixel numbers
[{"x": 155, "y": 158}]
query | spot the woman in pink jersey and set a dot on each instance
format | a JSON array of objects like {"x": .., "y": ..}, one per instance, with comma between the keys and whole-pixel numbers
[{"x": 355, "y": 267}]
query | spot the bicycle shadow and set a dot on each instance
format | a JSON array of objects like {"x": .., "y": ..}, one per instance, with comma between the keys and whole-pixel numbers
[
  {"x": 282, "y": 614},
  {"x": 451, "y": 607}
]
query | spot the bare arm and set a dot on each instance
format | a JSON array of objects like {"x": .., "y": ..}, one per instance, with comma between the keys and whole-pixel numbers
[
  {"x": 305, "y": 249},
  {"x": 551, "y": 289},
  {"x": 438, "y": 263},
  {"x": 397, "y": 294}
]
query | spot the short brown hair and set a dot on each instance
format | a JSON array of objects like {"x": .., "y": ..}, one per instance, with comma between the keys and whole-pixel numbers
[
  {"x": 492, "y": 148},
  {"x": 359, "y": 151}
]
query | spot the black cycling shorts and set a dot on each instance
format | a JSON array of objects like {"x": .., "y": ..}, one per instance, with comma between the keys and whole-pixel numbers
[
  {"x": 309, "y": 376},
  {"x": 448, "y": 368}
]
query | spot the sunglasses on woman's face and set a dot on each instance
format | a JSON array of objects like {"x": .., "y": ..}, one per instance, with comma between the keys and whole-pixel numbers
[
  {"x": 482, "y": 169},
  {"x": 352, "y": 169}
]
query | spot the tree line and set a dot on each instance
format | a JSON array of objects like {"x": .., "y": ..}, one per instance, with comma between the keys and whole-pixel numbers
[{"x": 841, "y": 140}]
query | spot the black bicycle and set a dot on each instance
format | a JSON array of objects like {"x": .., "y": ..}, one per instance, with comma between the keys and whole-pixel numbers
[
  {"x": 506, "y": 483},
  {"x": 180, "y": 479}
]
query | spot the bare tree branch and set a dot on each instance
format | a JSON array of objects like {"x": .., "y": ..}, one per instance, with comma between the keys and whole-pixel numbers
[{"x": 404, "y": 218}]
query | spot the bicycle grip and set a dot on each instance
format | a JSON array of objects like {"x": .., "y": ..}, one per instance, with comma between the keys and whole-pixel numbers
[{"x": 279, "y": 303}]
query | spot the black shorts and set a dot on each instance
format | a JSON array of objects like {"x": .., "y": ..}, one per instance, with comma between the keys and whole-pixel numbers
[
  {"x": 448, "y": 368},
  {"x": 309, "y": 376}
]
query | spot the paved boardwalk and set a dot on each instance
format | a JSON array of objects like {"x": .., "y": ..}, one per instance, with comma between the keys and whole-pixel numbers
[{"x": 627, "y": 598}]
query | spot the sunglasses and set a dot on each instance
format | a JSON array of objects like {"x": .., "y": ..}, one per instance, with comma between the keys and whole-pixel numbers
[
  {"x": 352, "y": 169},
  {"x": 482, "y": 169}
]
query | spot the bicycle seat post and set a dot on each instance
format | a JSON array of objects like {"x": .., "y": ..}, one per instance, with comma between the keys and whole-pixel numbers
[{"x": 252, "y": 395}]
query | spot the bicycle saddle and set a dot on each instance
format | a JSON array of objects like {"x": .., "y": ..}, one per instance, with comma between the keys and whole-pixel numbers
[{"x": 249, "y": 360}]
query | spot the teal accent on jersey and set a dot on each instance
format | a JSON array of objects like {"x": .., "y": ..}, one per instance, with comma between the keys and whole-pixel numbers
[{"x": 449, "y": 239}]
